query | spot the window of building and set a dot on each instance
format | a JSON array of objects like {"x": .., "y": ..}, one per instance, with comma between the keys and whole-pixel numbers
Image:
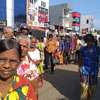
[
  {"x": 65, "y": 11},
  {"x": 43, "y": 4},
  {"x": 87, "y": 21}
]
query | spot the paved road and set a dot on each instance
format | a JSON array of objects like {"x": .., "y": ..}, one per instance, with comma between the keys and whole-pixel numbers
[
  {"x": 63, "y": 84},
  {"x": 97, "y": 95}
]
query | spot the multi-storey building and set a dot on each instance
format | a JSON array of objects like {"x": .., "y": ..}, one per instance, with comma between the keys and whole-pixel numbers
[
  {"x": 60, "y": 16},
  {"x": 87, "y": 24},
  {"x": 7, "y": 12},
  {"x": 76, "y": 16}
]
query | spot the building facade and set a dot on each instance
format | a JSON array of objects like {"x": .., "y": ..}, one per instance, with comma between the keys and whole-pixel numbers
[
  {"x": 20, "y": 12},
  {"x": 12, "y": 12},
  {"x": 31, "y": 12},
  {"x": 76, "y": 16},
  {"x": 87, "y": 24},
  {"x": 60, "y": 16},
  {"x": 2, "y": 10},
  {"x": 7, "y": 12}
]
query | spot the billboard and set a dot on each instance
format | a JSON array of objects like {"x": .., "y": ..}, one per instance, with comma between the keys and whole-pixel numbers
[{"x": 37, "y": 12}]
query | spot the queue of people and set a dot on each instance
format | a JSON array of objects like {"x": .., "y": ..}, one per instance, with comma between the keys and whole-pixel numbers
[
  {"x": 24, "y": 60},
  {"x": 20, "y": 75}
]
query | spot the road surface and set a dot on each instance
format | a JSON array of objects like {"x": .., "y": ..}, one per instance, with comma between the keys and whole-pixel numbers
[{"x": 63, "y": 84}]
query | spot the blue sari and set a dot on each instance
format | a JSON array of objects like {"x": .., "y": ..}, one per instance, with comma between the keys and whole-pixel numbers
[{"x": 89, "y": 70}]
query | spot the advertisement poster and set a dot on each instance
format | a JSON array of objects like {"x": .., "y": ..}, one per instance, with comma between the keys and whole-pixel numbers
[{"x": 37, "y": 12}]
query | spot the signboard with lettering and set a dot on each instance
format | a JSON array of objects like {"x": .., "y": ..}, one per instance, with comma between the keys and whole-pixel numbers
[{"x": 37, "y": 12}]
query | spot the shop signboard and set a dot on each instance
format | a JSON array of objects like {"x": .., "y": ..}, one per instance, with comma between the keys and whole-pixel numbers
[{"x": 37, "y": 12}]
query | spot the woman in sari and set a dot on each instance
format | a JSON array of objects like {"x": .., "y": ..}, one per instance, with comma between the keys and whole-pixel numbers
[
  {"x": 89, "y": 67},
  {"x": 13, "y": 86}
]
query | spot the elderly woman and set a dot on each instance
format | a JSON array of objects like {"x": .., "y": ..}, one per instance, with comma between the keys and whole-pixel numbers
[
  {"x": 29, "y": 60},
  {"x": 12, "y": 86},
  {"x": 89, "y": 67},
  {"x": 8, "y": 33},
  {"x": 30, "y": 57}
]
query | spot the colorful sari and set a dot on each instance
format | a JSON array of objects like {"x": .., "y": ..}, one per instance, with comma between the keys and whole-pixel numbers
[
  {"x": 41, "y": 46},
  {"x": 21, "y": 90}
]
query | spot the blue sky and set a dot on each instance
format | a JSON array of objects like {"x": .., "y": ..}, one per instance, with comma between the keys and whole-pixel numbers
[{"x": 85, "y": 7}]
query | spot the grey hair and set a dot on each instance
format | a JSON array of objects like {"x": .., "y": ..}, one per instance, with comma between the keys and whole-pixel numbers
[{"x": 26, "y": 38}]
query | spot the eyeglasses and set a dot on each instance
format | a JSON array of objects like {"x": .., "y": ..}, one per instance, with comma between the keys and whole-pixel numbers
[{"x": 10, "y": 61}]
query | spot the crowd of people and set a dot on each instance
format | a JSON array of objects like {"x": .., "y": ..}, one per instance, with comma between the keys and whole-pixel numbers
[{"x": 24, "y": 59}]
